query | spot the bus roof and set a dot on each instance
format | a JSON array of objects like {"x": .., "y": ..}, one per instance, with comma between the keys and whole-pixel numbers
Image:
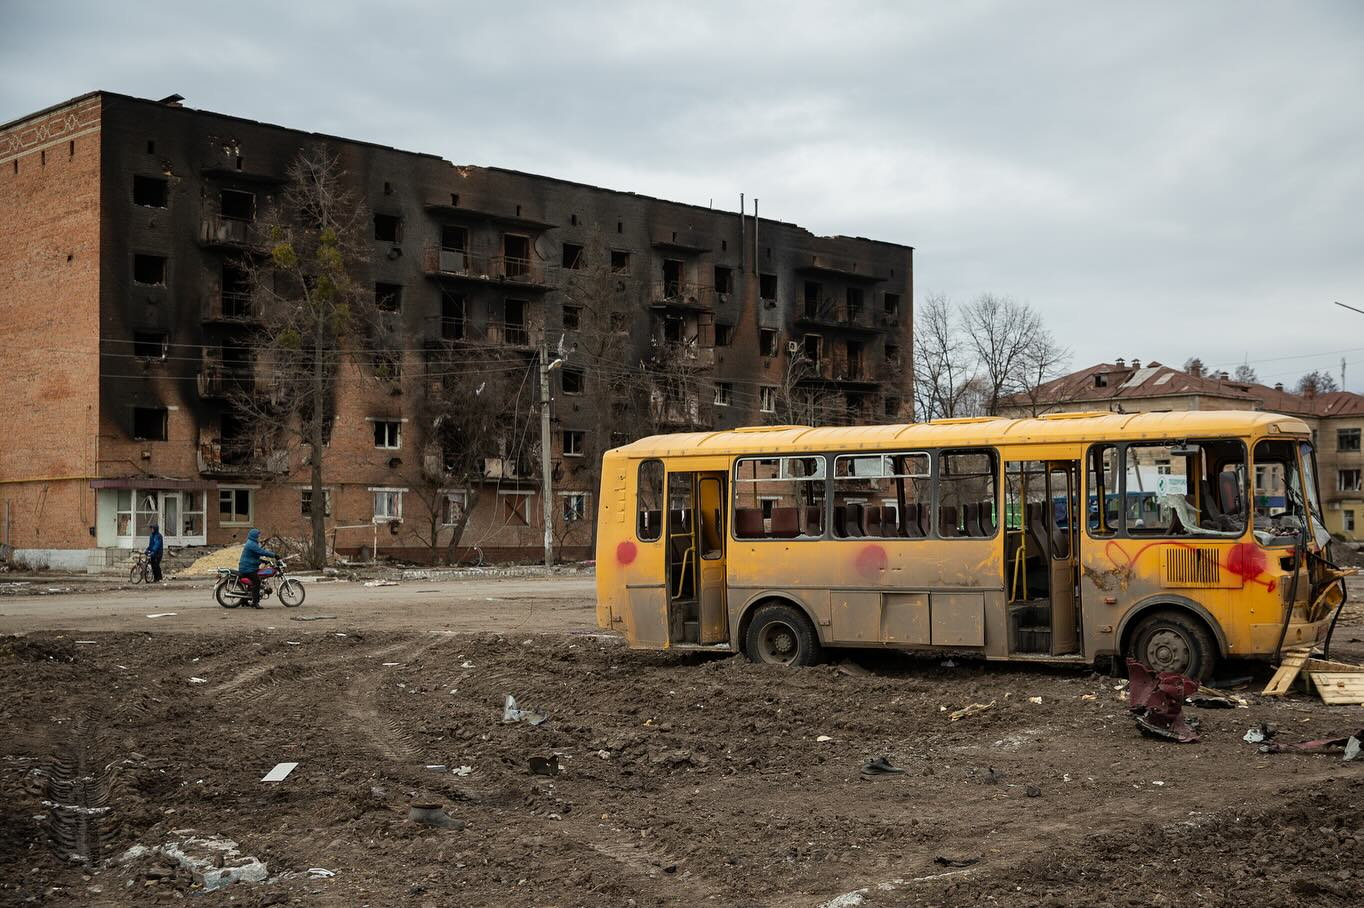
[{"x": 986, "y": 430}]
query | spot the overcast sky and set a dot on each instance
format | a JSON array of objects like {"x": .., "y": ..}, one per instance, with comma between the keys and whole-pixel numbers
[{"x": 1160, "y": 179}]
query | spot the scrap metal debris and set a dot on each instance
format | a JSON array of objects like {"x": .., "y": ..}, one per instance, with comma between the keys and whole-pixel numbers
[
  {"x": 973, "y": 710},
  {"x": 1348, "y": 746},
  {"x": 280, "y": 772},
  {"x": 1157, "y": 703},
  {"x": 1260, "y": 733},
  {"x": 544, "y": 766}
]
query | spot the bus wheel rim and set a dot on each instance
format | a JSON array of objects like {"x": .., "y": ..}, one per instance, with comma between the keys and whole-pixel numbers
[
  {"x": 779, "y": 643},
  {"x": 1168, "y": 651}
]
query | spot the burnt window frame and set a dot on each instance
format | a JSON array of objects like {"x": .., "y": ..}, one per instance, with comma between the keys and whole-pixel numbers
[
  {"x": 161, "y": 182},
  {"x": 143, "y": 341},
  {"x": 393, "y": 220},
  {"x": 660, "y": 500},
  {"x": 224, "y": 192},
  {"x": 161, "y": 414},
  {"x": 147, "y": 257}
]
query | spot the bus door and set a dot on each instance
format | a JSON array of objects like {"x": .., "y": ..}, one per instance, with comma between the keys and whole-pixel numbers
[
  {"x": 1039, "y": 556},
  {"x": 697, "y": 609}
]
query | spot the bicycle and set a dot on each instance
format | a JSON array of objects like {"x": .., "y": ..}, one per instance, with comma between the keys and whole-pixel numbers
[{"x": 141, "y": 571}]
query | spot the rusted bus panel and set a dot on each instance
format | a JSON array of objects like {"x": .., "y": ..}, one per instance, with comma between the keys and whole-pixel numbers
[{"x": 957, "y": 619}]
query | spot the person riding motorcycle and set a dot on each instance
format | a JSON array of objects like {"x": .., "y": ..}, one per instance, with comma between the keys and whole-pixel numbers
[{"x": 249, "y": 565}]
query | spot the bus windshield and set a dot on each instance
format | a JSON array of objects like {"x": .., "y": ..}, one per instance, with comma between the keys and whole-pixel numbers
[{"x": 1285, "y": 492}]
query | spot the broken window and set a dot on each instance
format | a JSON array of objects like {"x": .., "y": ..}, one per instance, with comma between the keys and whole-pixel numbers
[
  {"x": 893, "y": 354},
  {"x": 854, "y": 298},
  {"x": 234, "y": 507},
  {"x": 306, "y": 502},
  {"x": 649, "y": 501},
  {"x": 573, "y": 317},
  {"x": 779, "y": 497},
  {"x": 516, "y": 255},
  {"x": 573, "y": 256},
  {"x": 236, "y": 205},
  {"x": 150, "y": 192},
  {"x": 872, "y": 491},
  {"x": 813, "y": 292},
  {"x": 149, "y": 345},
  {"x": 387, "y": 433},
  {"x": 672, "y": 329},
  {"x": 1184, "y": 488},
  {"x": 573, "y": 380},
  {"x": 892, "y": 407},
  {"x": 388, "y": 366},
  {"x": 724, "y": 279},
  {"x": 574, "y": 506},
  {"x": 890, "y": 308},
  {"x": 452, "y": 315},
  {"x": 149, "y": 269},
  {"x": 854, "y": 359},
  {"x": 388, "y": 505},
  {"x": 1100, "y": 380},
  {"x": 966, "y": 493},
  {"x": 514, "y": 322},
  {"x": 724, "y": 335},
  {"x": 1347, "y": 439},
  {"x": 620, "y": 260},
  {"x": 236, "y": 354},
  {"x": 724, "y": 393},
  {"x": 236, "y": 291},
  {"x": 767, "y": 341},
  {"x": 767, "y": 287},
  {"x": 388, "y": 228},
  {"x": 452, "y": 237},
  {"x": 1347, "y": 481},
  {"x": 767, "y": 399},
  {"x": 388, "y": 297},
  {"x": 514, "y": 508},
  {"x": 814, "y": 348},
  {"x": 149, "y": 423},
  {"x": 573, "y": 442},
  {"x": 672, "y": 278}
]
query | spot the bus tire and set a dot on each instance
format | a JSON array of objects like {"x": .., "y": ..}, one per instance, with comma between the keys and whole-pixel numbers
[
  {"x": 1174, "y": 641},
  {"x": 781, "y": 635}
]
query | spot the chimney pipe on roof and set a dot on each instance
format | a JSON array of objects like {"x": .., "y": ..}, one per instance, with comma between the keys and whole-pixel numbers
[
  {"x": 1278, "y": 386},
  {"x": 1136, "y": 363},
  {"x": 1121, "y": 364},
  {"x": 1224, "y": 375}
]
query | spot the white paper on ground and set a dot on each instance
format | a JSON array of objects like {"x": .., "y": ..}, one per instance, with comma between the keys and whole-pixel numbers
[{"x": 280, "y": 772}]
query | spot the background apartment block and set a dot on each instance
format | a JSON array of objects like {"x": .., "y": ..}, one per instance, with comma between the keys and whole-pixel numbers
[
  {"x": 1336, "y": 419},
  {"x": 128, "y": 325}
]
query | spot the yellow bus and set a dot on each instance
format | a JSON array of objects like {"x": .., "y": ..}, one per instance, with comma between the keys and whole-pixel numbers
[{"x": 1175, "y": 538}]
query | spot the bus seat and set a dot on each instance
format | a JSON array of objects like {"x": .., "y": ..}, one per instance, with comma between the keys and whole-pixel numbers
[
  {"x": 913, "y": 528},
  {"x": 840, "y": 521},
  {"x": 947, "y": 521},
  {"x": 987, "y": 518},
  {"x": 814, "y": 521},
  {"x": 970, "y": 513},
  {"x": 785, "y": 523},
  {"x": 855, "y": 521},
  {"x": 1229, "y": 487},
  {"x": 871, "y": 520},
  {"x": 1037, "y": 529},
  {"x": 678, "y": 521},
  {"x": 748, "y": 523}
]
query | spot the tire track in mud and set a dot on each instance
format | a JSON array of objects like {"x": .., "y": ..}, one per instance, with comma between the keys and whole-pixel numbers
[
  {"x": 80, "y": 825},
  {"x": 279, "y": 672},
  {"x": 385, "y": 734},
  {"x": 645, "y": 864}
]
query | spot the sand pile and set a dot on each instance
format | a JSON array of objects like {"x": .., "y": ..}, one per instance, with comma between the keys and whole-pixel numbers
[{"x": 223, "y": 558}]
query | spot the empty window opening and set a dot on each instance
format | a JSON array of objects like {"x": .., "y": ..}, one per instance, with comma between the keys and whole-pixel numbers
[
  {"x": 767, "y": 341},
  {"x": 893, "y": 354},
  {"x": 514, "y": 318},
  {"x": 767, "y": 399},
  {"x": 891, "y": 307},
  {"x": 573, "y": 317},
  {"x": 1100, "y": 381},
  {"x": 388, "y": 188},
  {"x": 151, "y": 146},
  {"x": 814, "y": 348},
  {"x": 724, "y": 245},
  {"x": 767, "y": 286},
  {"x": 150, "y": 192},
  {"x": 234, "y": 507},
  {"x": 724, "y": 393},
  {"x": 573, "y": 442},
  {"x": 387, "y": 433},
  {"x": 236, "y": 291},
  {"x": 452, "y": 315},
  {"x": 454, "y": 238},
  {"x": 71, "y": 148},
  {"x": 573, "y": 256},
  {"x": 672, "y": 278},
  {"x": 240, "y": 162},
  {"x": 149, "y": 269},
  {"x": 516, "y": 248},
  {"x": 236, "y": 355},
  {"x": 573, "y": 380},
  {"x": 306, "y": 502},
  {"x": 388, "y": 228},
  {"x": 620, "y": 322},
  {"x": 149, "y": 423},
  {"x": 892, "y": 405},
  {"x": 388, "y": 297},
  {"x": 854, "y": 298},
  {"x": 813, "y": 292},
  {"x": 149, "y": 345},
  {"x": 454, "y": 200},
  {"x": 673, "y": 329},
  {"x": 236, "y": 205},
  {"x": 620, "y": 260},
  {"x": 42, "y": 158},
  {"x": 854, "y": 359},
  {"x": 620, "y": 226},
  {"x": 573, "y": 220},
  {"x": 724, "y": 335},
  {"x": 724, "y": 279}
]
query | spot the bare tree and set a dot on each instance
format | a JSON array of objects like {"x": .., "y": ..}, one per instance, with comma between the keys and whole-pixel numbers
[
  {"x": 310, "y": 304},
  {"x": 804, "y": 401},
  {"x": 1042, "y": 361},
  {"x": 473, "y": 402},
  {"x": 1194, "y": 366},
  {"x": 1316, "y": 383},
  {"x": 1006, "y": 337},
  {"x": 1245, "y": 374},
  {"x": 941, "y": 366}
]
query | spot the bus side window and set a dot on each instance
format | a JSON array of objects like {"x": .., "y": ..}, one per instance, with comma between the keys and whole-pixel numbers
[
  {"x": 967, "y": 497},
  {"x": 779, "y": 497},
  {"x": 881, "y": 496},
  {"x": 1102, "y": 511},
  {"x": 649, "y": 497}
]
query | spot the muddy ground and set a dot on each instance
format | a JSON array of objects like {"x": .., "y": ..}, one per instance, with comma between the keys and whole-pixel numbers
[{"x": 684, "y": 779}]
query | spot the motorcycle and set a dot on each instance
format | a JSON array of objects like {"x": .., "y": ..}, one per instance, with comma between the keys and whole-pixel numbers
[{"x": 233, "y": 588}]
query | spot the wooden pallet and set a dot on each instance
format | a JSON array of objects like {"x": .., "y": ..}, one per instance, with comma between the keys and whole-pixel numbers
[
  {"x": 1340, "y": 687},
  {"x": 1289, "y": 667}
]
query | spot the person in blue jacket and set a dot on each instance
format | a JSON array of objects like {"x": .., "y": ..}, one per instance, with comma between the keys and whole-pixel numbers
[
  {"x": 156, "y": 547},
  {"x": 249, "y": 565}
]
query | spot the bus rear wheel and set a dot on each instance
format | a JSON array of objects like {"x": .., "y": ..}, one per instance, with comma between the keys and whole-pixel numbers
[
  {"x": 1174, "y": 642},
  {"x": 781, "y": 635}
]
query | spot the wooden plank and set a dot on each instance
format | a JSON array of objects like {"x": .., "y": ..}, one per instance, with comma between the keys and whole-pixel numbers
[
  {"x": 1338, "y": 688},
  {"x": 1323, "y": 665},
  {"x": 1289, "y": 667}
]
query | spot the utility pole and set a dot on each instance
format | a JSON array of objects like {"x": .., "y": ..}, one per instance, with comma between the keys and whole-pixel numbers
[{"x": 546, "y": 479}]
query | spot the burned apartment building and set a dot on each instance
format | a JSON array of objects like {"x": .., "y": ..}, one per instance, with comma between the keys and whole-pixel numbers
[{"x": 129, "y": 327}]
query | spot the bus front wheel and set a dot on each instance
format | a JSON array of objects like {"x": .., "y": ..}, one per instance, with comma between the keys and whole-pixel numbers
[
  {"x": 1174, "y": 642},
  {"x": 781, "y": 635}
]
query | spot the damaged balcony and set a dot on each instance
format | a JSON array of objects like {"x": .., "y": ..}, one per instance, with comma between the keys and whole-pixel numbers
[
  {"x": 239, "y": 460},
  {"x": 681, "y": 295},
  {"x": 461, "y": 265},
  {"x": 228, "y": 307},
  {"x": 220, "y": 380},
  {"x": 221, "y": 232}
]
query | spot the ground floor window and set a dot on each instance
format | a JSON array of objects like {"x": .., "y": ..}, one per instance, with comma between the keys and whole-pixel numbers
[
  {"x": 234, "y": 507},
  {"x": 388, "y": 505},
  {"x": 574, "y": 506},
  {"x": 515, "y": 508},
  {"x": 454, "y": 508},
  {"x": 1349, "y": 521},
  {"x": 306, "y": 502}
]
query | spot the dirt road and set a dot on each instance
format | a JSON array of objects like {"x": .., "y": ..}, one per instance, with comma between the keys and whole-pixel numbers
[
  {"x": 542, "y": 605},
  {"x": 682, "y": 779}
]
